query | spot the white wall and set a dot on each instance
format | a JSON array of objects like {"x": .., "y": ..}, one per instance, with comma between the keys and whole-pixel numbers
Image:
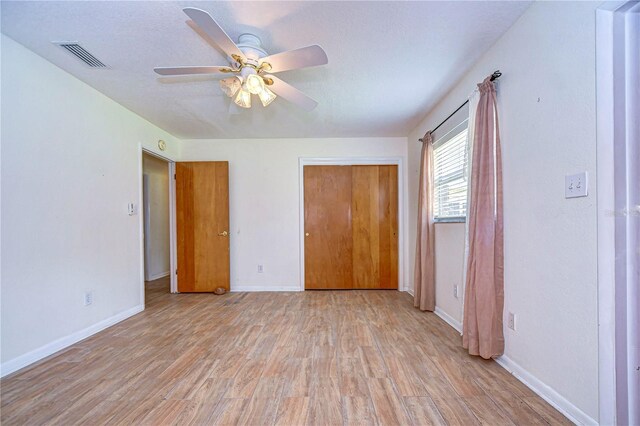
[
  {"x": 264, "y": 199},
  {"x": 156, "y": 213},
  {"x": 71, "y": 162},
  {"x": 449, "y": 242},
  {"x": 546, "y": 98}
]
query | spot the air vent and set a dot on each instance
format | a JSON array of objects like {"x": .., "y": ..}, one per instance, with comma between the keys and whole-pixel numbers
[{"x": 81, "y": 53}]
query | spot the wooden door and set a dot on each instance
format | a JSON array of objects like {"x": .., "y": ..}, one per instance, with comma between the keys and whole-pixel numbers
[
  {"x": 374, "y": 207},
  {"x": 202, "y": 219},
  {"x": 351, "y": 227},
  {"x": 327, "y": 221}
]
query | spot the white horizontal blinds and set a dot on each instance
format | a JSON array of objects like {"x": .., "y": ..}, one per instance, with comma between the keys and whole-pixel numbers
[{"x": 450, "y": 175}]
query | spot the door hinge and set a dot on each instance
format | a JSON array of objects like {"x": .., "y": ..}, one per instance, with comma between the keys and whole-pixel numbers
[
  {"x": 174, "y": 176},
  {"x": 176, "y": 272}
]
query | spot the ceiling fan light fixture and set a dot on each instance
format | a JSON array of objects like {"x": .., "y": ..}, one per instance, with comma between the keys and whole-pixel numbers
[
  {"x": 267, "y": 96},
  {"x": 243, "y": 99},
  {"x": 249, "y": 62},
  {"x": 255, "y": 85},
  {"x": 230, "y": 86}
]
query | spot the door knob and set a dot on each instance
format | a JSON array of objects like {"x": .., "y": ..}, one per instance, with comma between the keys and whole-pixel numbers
[
  {"x": 306, "y": 234},
  {"x": 223, "y": 234}
]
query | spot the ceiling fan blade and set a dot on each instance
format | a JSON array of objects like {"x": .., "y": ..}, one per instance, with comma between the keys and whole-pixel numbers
[
  {"x": 190, "y": 70},
  {"x": 291, "y": 94},
  {"x": 213, "y": 30},
  {"x": 304, "y": 57}
]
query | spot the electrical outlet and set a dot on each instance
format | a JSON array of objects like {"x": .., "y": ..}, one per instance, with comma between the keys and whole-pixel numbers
[
  {"x": 88, "y": 298},
  {"x": 455, "y": 291},
  {"x": 511, "y": 321},
  {"x": 260, "y": 269}
]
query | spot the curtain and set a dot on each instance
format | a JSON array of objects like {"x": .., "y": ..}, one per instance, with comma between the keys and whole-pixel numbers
[
  {"x": 473, "y": 106},
  {"x": 484, "y": 281},
  {"x": 424, "y": 274}
]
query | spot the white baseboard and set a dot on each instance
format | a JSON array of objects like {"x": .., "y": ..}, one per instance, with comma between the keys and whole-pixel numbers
[
  {"x": 556, "y": 400},
  {"x": 22, "y": 361},
  {"x": 449, "y": 319},
  {"x": 545, "y": 392},
  {"x": 255, "y": 288},
  {"x": 444, "y": 316},
  {"x": 158, "y": 276}
]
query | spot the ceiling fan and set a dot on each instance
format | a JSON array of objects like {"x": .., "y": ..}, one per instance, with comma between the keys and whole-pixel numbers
[{"x": 252, "y": 68}]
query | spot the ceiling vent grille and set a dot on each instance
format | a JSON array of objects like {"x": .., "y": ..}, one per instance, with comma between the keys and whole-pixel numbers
[{"x": 81, "y": 53}]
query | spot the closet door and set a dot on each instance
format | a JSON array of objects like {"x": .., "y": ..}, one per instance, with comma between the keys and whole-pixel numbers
[
  {"x": 327, "y": 221},
  {"x": 374, "y": 207},
  {"x": 351, "y": 227}
]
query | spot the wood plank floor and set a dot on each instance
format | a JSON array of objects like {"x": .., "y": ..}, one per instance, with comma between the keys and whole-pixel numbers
[{"x": 321, "y": 358}]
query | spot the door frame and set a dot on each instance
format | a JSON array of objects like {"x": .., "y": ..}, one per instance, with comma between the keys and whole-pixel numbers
[
  {"x": 173, "y": 252},
  {"x": 146, "y": 215},
  {"x": 617, "y": 147},
  {"x": 357, "y": 161}
]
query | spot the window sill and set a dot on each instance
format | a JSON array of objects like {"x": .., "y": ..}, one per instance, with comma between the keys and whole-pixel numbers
[{"x": 450, "y": 220}]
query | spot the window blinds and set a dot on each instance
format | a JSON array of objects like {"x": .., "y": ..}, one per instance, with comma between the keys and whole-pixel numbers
[{"x": 450, "y": 177}]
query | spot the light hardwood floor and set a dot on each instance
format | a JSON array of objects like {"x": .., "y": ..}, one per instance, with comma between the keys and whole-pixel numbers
[{"x": 323, "y": 358}]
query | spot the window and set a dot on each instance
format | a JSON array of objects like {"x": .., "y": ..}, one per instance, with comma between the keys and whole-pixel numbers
[{"x": 450, "y": 176}]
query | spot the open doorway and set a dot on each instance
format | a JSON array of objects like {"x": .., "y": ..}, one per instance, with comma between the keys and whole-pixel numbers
[{"x": 157, "y": 228}]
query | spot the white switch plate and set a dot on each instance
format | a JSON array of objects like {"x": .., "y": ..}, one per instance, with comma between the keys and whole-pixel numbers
[
  {"x": 131, "y": 209},
  {"x": 576, "y": 185},
  {"x": 455, "y": 291},
  {"x": 260, "y": 269},
  {"x": 88, "y": 298}
]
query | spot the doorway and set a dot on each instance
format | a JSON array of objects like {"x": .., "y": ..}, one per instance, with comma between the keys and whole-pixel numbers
[{"x": 156, "y": 224}]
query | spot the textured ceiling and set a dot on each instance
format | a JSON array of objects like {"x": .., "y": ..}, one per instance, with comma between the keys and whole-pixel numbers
[{"x": 389, "y": 62}]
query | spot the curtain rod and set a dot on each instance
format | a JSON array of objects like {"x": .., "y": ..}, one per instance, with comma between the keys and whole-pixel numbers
[{"x": 494, "y": 76}]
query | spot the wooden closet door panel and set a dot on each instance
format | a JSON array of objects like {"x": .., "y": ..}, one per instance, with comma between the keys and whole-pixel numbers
[
  {"x": 375, "y": 233},
  {"x": 202, "y": 213},
  {"x": 365, "y": 222},
  {"x": 388, "y": 206},
  {"x": 327, "y": 221}
]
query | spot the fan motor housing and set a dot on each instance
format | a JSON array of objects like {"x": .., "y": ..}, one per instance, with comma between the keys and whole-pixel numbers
[{"x": 251, "y": 46}]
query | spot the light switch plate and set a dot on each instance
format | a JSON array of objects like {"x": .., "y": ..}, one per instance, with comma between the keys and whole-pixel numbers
[{"x": 576, "y": 185}]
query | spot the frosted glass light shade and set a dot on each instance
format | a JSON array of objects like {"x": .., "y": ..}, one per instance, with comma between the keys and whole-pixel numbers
[
  {"x": 267, "y": 96},
  {"x": 254, "y": 84},
  {"x": 243, "y": 99},
  {"x": 230, "y": 86}
]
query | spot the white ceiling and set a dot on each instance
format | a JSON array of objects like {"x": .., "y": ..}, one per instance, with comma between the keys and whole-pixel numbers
[{"x": 389, "y": 62}]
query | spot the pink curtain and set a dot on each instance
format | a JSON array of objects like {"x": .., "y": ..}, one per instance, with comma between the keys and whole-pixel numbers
[
  {"x": 424, "y": 274},
  {"x": 484, "y": 287}
]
